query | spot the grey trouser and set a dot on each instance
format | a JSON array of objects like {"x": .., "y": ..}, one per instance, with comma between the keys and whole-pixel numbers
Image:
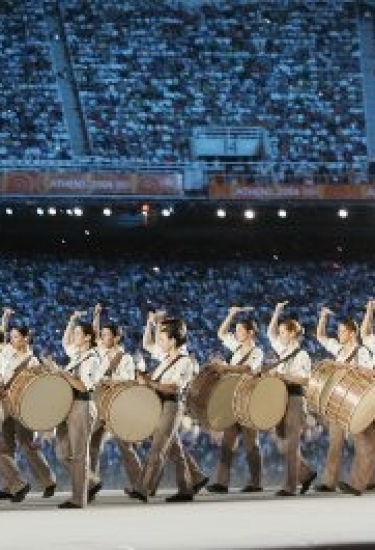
[
  {"x": 254, "y": 460},
  {"x": 73, "y": 442},
  {"x": 332, "y": 465},
  {"x": 363, "y": 465},
  {"x": 162, "y": 440},
  {"x": 179, "y": 455},
  {"x": 131, "y": 461},
  {"x": 12, "y": 431},
  {"x": 297, "y": 469}
]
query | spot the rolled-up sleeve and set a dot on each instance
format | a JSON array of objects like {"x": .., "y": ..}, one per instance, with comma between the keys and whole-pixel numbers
[{"x": 230, "y": 342}]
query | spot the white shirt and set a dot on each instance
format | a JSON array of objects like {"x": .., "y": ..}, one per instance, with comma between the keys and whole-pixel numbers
[
  {"x": 87, "y": 366},
  {"x": 10, "y": 359},
  {"x": 180, "y": 373},
  {"x": 299, "y": 365},
  {"x": 255, "y": 358},
  {"x": 361, "y": 358},
  {"x": 125, "y": 370}
]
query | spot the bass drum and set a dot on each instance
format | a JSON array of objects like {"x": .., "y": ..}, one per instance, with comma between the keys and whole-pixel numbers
[
  {"x": 351, "y": 401},
  {"x": 209, "y": 399},
  {"x": 260, "y": 403},
  {"x": 39, "y": 399},
  {"x": 130, "y": 411}
]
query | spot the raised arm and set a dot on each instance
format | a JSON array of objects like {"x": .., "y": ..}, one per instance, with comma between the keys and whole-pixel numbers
[
  {"x": 148, "y": 341},
  {"x": 224, "y": 327},
  {"x": 96, "y": 321},
  {"x": 321, "y": 331},
  {"x": 68, "y": 333},
  {"x": 7, "y": 313},
  {"x": 273, "y": 327},
  {"x": 367, "y": 323}
]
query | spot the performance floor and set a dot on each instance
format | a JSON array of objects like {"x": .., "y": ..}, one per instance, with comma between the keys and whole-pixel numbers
[{"x": 232, "y": 521}]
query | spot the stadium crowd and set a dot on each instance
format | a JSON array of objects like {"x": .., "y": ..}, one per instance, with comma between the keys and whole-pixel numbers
[{"x": 149, "y": 73}]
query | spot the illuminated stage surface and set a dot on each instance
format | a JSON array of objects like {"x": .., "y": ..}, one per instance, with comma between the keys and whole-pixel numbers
[{"x": 232, "y": 521}]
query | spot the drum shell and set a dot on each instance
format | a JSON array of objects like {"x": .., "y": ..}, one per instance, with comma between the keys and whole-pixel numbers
[
  {"x": 322, "y": 379},
  {"x": 23, "y": 388},
  {"x": 260, "y": 402},
  {"x": 351, "y": 402},
  {"x": 129, "y": 410},
  {"x": 209, "y": 398}
]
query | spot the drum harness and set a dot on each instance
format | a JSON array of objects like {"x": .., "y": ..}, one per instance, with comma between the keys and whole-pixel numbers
[{"x": 180, "y": 396}]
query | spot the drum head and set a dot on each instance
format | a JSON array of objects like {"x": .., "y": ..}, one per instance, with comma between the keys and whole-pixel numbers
[
  {"x": 268, "y": 402},
  {"x": 134, "y": 413},
  {"x": 364, "y": 413},
  {"x": 219, "y": 407},
  {"x": 45, "y": 403}
]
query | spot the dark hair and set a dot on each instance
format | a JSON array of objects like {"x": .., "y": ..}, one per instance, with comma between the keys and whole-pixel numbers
[
  {"x": 350, "y": 324},
  {"x": 292, "y": 325},
  {"x": 88, "y": 330},
  {"x": 175, "y": 328},
  {"x": 249, "y": 324},
  {"x": 113, "y": 328},
  {"x": 22, "y": 329}
]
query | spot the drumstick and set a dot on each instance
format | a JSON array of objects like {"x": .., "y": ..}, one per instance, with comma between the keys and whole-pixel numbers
[{"x": 247, "y": 308}]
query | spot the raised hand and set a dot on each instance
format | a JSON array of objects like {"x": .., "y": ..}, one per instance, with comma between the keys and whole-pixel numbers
[
  {"x": 326, "y": 311},
  {"x": 281, "y": 305},
  {"x": 98, "y": 309},
  {"x": 234, "y": 310},
  {"x": 77, "y": 315},
  {"x": 159, "y": 315},
  {"x": 8, "y": 312}
]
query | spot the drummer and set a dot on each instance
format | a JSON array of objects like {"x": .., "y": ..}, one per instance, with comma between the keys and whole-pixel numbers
[
  {"x": 247, "y": 358},
  {"x": 362, "y": 472},
  {"x": 345, "y": 349},
  {"x": 15, "y": 357},
  {"x": 117, "y": 365},
  {"x": 177, "y": 452},
  {"x": 169, "y": 380},
  {"x": 73, "y": 435},
  {"x": 294, "y": 367}
]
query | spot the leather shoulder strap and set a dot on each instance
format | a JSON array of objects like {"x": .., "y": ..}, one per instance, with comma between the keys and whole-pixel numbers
[{"x": 168, "y": 366}]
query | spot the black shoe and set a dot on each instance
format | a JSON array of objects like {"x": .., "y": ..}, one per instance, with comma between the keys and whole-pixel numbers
[
  {"x": 4, "y": 495},
  {"x": 137, "y": 495},
  {"x": 91, "y": 493},
  {"x": 179, "y": 497},
  {"x": 49, "y": 491},
  {"x": 348, "y": 489},
  {"x": 217, "y": 488},
  {"x": 68, "y": 505},
  {"x": 251, "y": 489},
  {"x": 307, "y": 484},
  {"x": 369, "y": 487},
  {"x": 21, "y": 494},
  {"x": 323, "y": 488},
  {"x": 284, "y": 493},
  {"x": 198, "y": 486}
]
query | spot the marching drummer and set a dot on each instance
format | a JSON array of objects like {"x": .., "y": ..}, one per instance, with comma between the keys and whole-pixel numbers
[
  {"x": 294, "y": 367},
  {"x": 345, "y": 349},
  {"x": 117, "y": 365},
  {"x": 177, "y": 452},
  {"x": 247, "y": 357},
  {"x": 169, "y": 379},
  {"x": 73, "y": 435},
  {"x": 15, "y": 357},
  {"x": 362, "y": 471}
]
